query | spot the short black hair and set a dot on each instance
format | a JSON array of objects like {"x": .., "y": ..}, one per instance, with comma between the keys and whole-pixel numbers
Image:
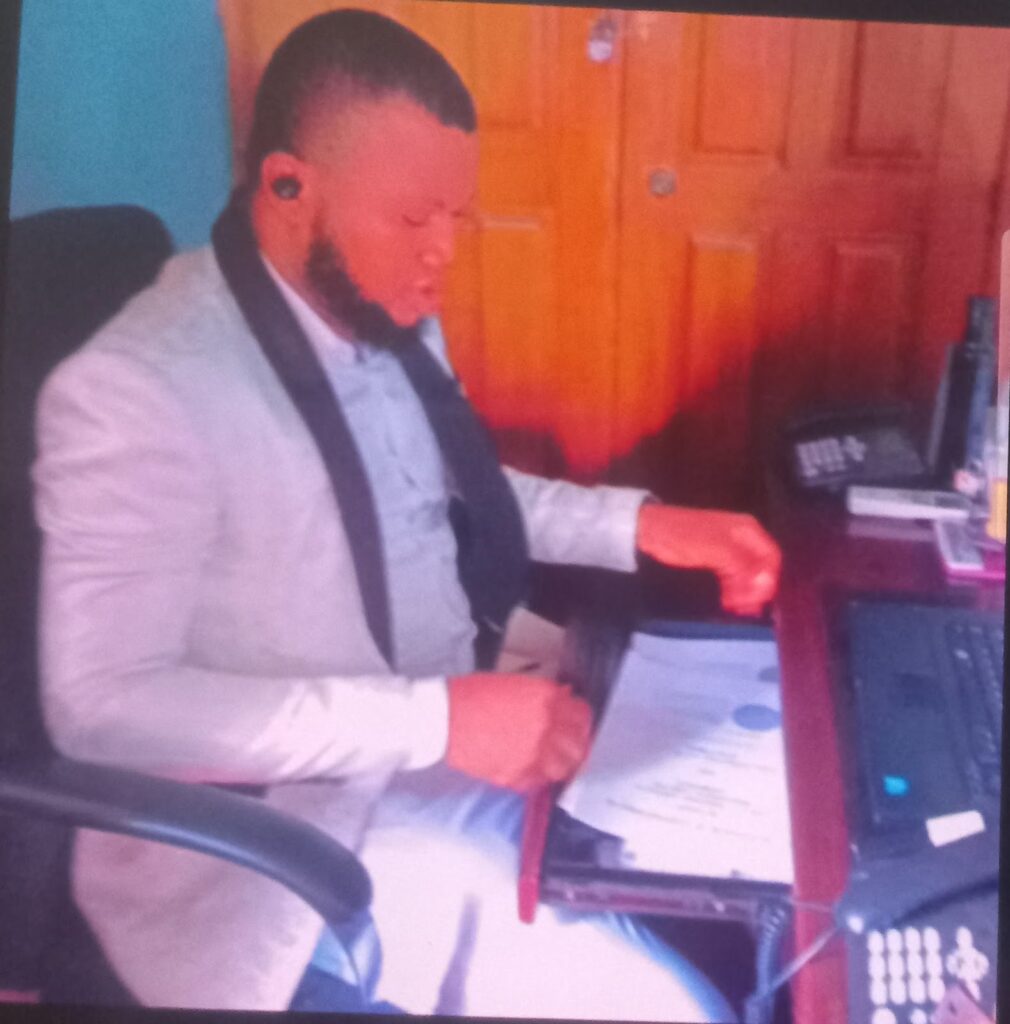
[{"x": 353, "y": 54}]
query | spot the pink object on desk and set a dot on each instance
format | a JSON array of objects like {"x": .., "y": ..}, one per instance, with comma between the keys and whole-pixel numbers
[
  {"x": 965, "y": 554},
  {"x": 993, "y": 569}
]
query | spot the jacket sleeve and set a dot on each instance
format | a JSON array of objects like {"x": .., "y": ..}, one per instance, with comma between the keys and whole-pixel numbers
[
  {"x": 575, "y": 525},
  {"x": 126, "y": 500}
]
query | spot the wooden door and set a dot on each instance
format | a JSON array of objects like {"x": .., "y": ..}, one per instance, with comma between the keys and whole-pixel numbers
[
  {"x": 805, "y": 207},
  {"x": 531, "y": 309},
  {"x": 690, "y": 225}
]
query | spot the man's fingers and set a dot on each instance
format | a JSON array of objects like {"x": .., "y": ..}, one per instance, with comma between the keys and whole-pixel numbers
[
  {"x": 571, "y": 743},
  {"x": 747, "y": 592},
  {"x": 565, "y": 742},
  {"x": 750, "y": 534},
  {"x": 746, "y": 596},
  {"x": 752, "y": 578},
  {"x": 520, "y": 735},
  {"x": 550, "y": 767},
  {"x": 757, "y": 586},
  {"x": 755, "y": 550},
  {"x": 521, "y": 782},
  {"x": 574, "y": 713},
  {"x": 748, "y": 610},
  {"x": 558, "y": 762}
]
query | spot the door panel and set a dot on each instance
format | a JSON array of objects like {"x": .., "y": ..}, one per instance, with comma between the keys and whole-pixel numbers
[
  {"x": 870, "y": 303},
  {"x": 891, "y": 95},
  {"x": 741, "y": 106}
]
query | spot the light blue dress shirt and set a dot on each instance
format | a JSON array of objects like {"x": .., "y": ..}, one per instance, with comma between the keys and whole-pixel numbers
[{"x": 432, "y": 630}]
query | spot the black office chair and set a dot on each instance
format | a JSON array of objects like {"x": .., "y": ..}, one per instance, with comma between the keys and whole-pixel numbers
[{"x": 69, "y": 271}]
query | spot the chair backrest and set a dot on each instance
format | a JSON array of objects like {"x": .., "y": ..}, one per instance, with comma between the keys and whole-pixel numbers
[{"x": 68, "y": 272}]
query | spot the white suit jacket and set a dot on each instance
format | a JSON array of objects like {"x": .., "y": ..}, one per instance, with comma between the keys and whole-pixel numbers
[{"x": 200, "y": 619}]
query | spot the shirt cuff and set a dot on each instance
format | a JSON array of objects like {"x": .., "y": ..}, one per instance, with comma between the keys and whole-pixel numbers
[
  {"x": 620, "y": 519},
  {"x": 429, "y": 722}
]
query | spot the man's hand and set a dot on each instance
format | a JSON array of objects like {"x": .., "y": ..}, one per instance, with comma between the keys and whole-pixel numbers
[
  {"x": 745, "y": 559},
  {"x": 516, "y": 731}
]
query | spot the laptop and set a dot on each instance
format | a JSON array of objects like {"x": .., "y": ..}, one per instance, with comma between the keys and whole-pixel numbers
[{"x": 926, "y": 689}]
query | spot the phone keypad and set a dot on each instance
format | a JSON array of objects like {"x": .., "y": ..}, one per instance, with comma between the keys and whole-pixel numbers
[
  {"x": 908, "y": 971},
  {"x": 829, "y": 456},
  {"x": 917, "y": 991}
]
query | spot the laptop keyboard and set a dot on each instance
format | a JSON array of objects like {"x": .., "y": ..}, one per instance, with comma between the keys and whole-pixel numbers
[{"x": 977, "y": 655}]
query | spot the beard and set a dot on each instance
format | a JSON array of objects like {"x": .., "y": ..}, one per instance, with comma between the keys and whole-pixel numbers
[{"x": 367, "y": 322}]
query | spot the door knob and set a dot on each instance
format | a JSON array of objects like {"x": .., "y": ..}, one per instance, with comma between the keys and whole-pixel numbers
[{"x": 662, "y": 182}]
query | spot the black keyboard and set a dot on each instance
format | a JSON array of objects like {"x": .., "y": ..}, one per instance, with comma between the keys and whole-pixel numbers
[{"x": 977, "y": 655}]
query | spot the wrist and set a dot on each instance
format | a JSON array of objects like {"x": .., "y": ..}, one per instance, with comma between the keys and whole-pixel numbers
[
  {"x": 645, "y": 523},
  {"x": 653, "y": 532},
  {"x": 677, "y": 536}
]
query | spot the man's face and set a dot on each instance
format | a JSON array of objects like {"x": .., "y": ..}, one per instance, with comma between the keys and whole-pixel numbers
[{"x": 392, "y": 192}]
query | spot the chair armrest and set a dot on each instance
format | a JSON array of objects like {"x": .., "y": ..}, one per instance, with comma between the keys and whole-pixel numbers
[{"x": 231, "y": 827}]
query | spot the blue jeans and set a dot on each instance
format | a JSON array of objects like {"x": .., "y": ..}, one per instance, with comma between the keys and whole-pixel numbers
[
  {"x": 319, "y": 992},
  {"x": 442, "y": 852}
]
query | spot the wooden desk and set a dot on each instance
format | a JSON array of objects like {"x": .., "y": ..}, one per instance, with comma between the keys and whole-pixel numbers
[{"x": 825, "y": 551}]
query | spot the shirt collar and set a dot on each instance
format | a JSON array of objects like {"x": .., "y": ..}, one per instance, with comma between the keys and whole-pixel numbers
[{"x": 326, "y": 342}]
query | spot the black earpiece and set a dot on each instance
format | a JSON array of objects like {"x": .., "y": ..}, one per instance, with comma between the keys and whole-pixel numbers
[{"x": 287, "y": 188}]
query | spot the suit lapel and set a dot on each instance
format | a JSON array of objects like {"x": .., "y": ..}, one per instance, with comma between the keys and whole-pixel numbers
[{"x": 289, "y": 352}]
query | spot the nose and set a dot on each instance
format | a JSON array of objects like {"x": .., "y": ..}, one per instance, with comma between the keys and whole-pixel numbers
[{"x": 439, "y": 243}]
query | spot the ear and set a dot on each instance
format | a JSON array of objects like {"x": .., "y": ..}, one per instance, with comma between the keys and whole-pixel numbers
[{"x": 287, "y": 184}]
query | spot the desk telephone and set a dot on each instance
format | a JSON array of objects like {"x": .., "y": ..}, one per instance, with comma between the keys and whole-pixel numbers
[
  {"x": 832, "y": 450},
  {"x": 905, "y": 952}
]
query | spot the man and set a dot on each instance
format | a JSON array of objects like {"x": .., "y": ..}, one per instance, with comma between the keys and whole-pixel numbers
[{"x": 279, "y": 553}]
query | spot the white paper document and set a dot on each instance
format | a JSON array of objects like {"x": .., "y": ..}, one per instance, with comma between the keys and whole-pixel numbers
[{"x": 688, "y": 766}]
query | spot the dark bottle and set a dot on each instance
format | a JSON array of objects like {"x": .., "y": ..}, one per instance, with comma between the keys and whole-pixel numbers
[{"x": 972, "y": 377}]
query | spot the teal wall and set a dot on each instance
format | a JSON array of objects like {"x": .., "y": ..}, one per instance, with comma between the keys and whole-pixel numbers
[{"x": 123, "y": 101}]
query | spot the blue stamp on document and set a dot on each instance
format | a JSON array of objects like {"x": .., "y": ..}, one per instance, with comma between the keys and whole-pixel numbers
[{"x": 757, "y": 717}]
